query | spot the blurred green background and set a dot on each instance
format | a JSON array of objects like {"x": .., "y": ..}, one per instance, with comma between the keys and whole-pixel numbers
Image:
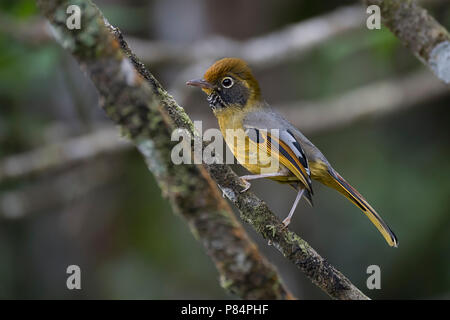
[{"x": 105, "y": 213}]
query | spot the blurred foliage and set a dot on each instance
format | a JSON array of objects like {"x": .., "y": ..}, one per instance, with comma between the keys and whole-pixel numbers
[
  {"x": 122, "y": 232},
  {"x": 19, "y": 8}
]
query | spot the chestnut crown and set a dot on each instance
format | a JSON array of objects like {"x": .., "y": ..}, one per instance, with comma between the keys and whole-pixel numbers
[{"x": 229, "y": 82}]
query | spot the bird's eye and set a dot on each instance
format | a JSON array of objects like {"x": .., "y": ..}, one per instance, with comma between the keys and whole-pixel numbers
[{"x": 227, "y": 82}]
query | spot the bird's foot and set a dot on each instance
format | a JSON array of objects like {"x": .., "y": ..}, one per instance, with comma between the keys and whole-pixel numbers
[{"x": 247, "y": 185}]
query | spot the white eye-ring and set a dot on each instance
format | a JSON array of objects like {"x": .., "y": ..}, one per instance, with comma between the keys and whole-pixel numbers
[{"x": 227, "y": 82}]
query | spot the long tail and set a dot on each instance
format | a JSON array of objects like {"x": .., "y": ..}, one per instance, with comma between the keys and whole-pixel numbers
[{"x": 354, "y": 196}]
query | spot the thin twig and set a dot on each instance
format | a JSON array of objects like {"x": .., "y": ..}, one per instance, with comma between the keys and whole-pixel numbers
[
  {"x": 63, "y": 154},
  {"x": 65, "y": 188},
  {"x": 373, "y": 100}
]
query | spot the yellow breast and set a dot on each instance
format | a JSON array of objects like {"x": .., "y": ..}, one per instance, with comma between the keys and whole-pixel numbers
[
  {"x": 253, "y": 159},
  {"x": 230, "y": 122}
]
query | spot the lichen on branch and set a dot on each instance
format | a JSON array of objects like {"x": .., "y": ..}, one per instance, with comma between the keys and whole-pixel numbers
[
  {"x": 147, "y": 114},
  {"x": 418, "y": 31},
  {"x": 137, "y": 103}
]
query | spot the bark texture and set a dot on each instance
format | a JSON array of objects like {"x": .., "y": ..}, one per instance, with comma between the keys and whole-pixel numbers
[
  {"x": 419, "y": 31},
  {"x": 142, "y": 110},
  {"x": 147, "y": 114}
]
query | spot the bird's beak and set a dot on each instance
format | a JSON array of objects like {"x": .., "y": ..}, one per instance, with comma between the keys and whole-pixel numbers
[{"x": 200, "y": 83}]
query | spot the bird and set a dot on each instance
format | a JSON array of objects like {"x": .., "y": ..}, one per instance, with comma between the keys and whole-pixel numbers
[{"x": 235, "y": 98}]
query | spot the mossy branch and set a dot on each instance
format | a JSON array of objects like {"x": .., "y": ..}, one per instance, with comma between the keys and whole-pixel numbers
[
  {"x": 419, "y": 31},
  {"x": 142, "y": 110},
  {"x": 147, "y": 114}
]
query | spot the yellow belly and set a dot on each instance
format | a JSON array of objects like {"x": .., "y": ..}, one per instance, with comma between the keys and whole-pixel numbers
[{"x": 254, "y": 159}]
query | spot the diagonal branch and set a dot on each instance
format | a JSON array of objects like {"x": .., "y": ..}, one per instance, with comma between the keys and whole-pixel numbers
[
  {"x": 135, "y": 105},
  {"x": 420, "y": 32},
  {"x": 380, "y": 99},
  {"x": 135, "y": 100}
]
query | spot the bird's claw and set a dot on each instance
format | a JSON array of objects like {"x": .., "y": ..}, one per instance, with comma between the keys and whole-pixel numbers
[
  {"x": 247, "y": 185},
  {"x": 286, "y": 222}
]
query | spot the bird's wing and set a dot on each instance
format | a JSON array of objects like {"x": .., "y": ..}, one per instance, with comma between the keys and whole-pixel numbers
[
  {"x": 273, "y": 119},
  {"x": 275, "y": 138},
  {"x": 322, "y": 171}
]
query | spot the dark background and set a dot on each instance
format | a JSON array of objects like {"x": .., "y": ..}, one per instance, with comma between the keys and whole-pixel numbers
[{"x": 106, "y": 213}]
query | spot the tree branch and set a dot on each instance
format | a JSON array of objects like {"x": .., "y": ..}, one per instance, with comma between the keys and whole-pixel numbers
[
  {"x": 278, "y": 46},
  {"x": 142, "y": 109},
  {"x": 101, "y": 142},
  {"x": 147, "y": 114},
  {"x": 34, "y": 197},
  {"x": 373, "y": 100},
  {"x": 267, "y": 50},
  {"x": 420, "y": 32}
]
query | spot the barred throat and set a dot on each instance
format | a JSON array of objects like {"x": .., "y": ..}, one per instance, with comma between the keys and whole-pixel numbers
[{"x": 215, "y": 101}]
